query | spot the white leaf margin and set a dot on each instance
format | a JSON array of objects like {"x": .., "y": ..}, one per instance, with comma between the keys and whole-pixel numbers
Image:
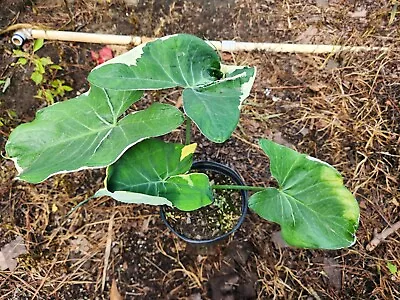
[
  {"x": 131, "y": 197},
  {"x": 246, "y": 87},
  {"x": 131, "y": 57},
  {"x": 20, "y": 169}
]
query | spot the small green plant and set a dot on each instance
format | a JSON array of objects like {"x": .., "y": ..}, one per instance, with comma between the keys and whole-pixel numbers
[
  {"x": 44, "y": 70},
  {"x": 392, "y": 269},
  {"x": 4, "y": 84},
  {"x": 311, "y": 204},
  {"x": 11, "y": 115}
]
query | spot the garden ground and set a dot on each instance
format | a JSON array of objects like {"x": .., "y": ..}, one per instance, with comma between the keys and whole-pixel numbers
[{"x": 343, "y": 109}]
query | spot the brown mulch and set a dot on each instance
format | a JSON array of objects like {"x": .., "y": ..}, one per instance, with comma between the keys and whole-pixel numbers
[{"x": 341, "y": 108}]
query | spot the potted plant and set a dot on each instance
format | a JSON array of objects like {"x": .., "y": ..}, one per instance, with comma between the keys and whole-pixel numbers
[{"x": 311, "y": 204}]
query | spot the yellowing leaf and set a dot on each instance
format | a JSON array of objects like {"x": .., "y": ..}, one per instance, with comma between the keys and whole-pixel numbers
[
  {"x": 54, "y": 208},
  {"x": 187, "y": 150}
]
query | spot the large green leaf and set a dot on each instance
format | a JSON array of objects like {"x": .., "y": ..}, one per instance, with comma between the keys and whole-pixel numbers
[
  {"x": 313, "y": 207},
  {"x": 215, "y": 108},
  {"x": 157, "y": 168},
  {"x": 213, "y": 92},
  {"x": 188, "y": 192},
  {"x": 177, "y": 60},
  {"x": 85, "y": 132}
]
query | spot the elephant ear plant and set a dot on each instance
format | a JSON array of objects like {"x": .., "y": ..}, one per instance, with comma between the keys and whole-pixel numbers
[{"x": 93, "y": 130}]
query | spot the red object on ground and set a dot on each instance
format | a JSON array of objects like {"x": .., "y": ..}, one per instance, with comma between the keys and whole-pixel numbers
[{"x": 103, "y": 55}]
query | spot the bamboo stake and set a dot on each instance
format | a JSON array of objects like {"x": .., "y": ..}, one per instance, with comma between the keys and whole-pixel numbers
[
  {"x": 233, "y": 46},
  {"x": 84, "y": 37},
  {"x": 224, "y": 46}
]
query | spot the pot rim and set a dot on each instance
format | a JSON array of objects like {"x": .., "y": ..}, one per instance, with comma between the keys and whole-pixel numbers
[{"x": 227, "y": 171}]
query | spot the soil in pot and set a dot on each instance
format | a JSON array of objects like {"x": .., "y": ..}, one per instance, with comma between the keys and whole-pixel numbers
[{"x": 214, "y": 221}]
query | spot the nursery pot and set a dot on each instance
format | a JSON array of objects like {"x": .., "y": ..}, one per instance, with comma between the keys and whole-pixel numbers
[{"x": 218, "y": 220}]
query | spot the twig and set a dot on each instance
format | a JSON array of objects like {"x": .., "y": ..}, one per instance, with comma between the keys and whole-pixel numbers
[
  {"x": 108, "y": 251},
  {"x": 46, "y": 276},
  {"x": 258, "y": 148},
  {"x": 76, "y": 268},
  {"x": 71, "y": 16},
  {"x": 154, "y": 265},
  {"x": 83, "y": 202},
  {"x": 380, "y": 237}
]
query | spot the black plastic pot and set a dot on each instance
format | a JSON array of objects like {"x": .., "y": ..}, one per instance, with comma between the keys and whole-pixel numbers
[{"x": 237, "y": 180}]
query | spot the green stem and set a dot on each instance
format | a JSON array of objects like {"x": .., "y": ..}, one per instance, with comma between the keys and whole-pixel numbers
[
  {"x": 78, "y": 205},
  {"x": 238, "y": 187},
  {"x": 188, "y": 130}
]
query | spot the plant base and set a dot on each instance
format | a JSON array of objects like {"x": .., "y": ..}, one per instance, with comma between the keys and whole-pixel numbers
[{"x": 216, "y": 221}]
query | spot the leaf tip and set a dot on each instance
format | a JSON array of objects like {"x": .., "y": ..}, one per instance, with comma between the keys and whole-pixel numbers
[{"x": 188, "y": 150}]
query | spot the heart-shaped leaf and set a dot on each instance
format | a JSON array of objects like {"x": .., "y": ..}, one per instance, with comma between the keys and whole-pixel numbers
[
  {"x": 85, "y": 132},
  {"x": 313, "y": 207},
  {"x": 213, "y": 92},
  {"x": 215, "y": 108},
  {"x": 157, "y": 168},
  {"x": 176, "y": 60}
]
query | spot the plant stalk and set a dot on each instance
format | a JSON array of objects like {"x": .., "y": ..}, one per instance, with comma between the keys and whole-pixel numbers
[
  {"x": 238, "y": 187},
  {"x": 188, "y": 131}
]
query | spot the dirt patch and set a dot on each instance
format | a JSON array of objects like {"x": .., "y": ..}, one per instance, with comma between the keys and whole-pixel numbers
[
  {"x": 212, "y": 221},
  {"x": 343, "y": 109}
]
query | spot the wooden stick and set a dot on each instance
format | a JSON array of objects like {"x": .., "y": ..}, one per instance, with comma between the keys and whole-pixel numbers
[
  {"x": 380, "y": 237},
  {"x": 107, "y": 251},
  {"x": 224, "y": 46},
  {"x": 233, "y": 46},
  {"x": 86, "y": 37}
]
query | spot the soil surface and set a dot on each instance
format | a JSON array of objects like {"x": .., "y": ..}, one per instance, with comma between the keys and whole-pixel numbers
[
  {"x": 343, "y": 109},
  {"x": 214, "y": 221}
]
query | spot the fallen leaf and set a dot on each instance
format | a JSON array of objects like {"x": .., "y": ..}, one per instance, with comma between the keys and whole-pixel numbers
[
  {"x": 358, "y": 14},
  {"x": 114, "y": 293},
  {"x": 306, "y": 36},
  {"x": 226, "y": 56},
  {"x": 80, "y": 244},
  {"x": 322, "y": 3},
  {"x": 54, "y": 208},
  {"x": 276, "y": 238},
  {"x": 333, "y": 272},
  {"x": 331, "y": 65},
  {"x": 145, "y": 225},
  {"x": 223, "y": 285},
  {"x": 362, "y": 204},
  {"x": 11, "y": 251},
  {"x": 316, "y": 86},
  {"x": 179, "y": 102},
  {"x": 102, "y": 56},
  {"x": 304, "y": 131},
  {"x": 118, "y": 49},
  {"x": 7, "y": 83},
  {"x": 196, "y": 296},
  {"x": 131, "y": 2},
  {"x": 278, "y": 138}
]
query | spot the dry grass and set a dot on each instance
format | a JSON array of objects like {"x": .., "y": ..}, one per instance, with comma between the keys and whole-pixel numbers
[
  {"x": 343, "y": 109},
  {"x": 347, "y": 116}
]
